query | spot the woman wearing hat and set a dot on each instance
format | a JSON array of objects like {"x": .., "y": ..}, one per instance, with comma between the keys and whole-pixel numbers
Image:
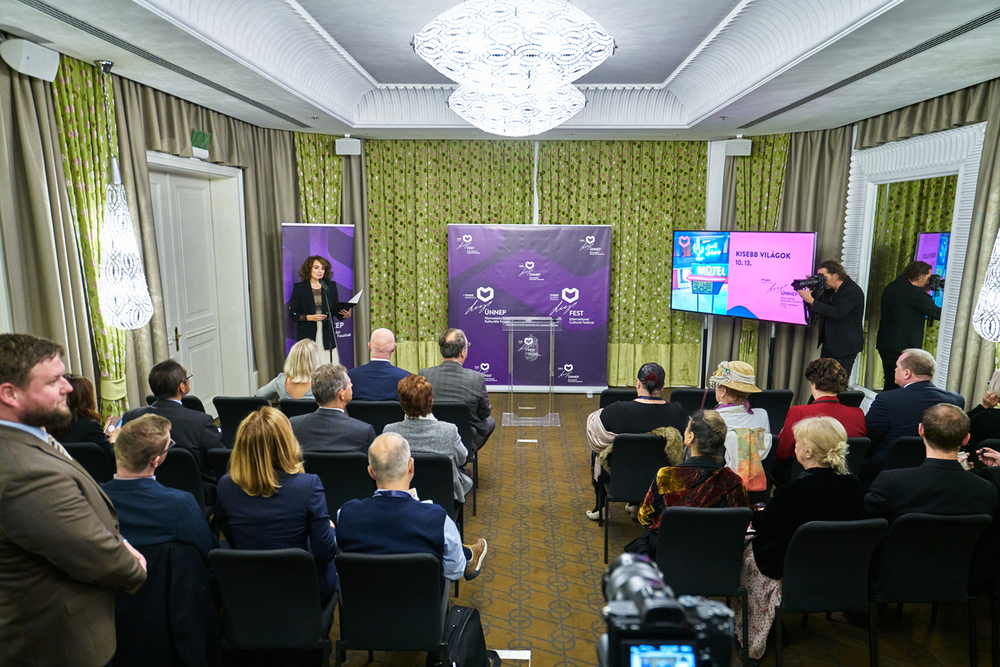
[{"x": 749, "y": 436}]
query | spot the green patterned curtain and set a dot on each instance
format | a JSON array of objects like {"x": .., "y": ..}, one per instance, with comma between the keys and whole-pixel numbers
[
  {"x": 415, "y": 190},
  {"x": 83, "y": 129},
  {"x": 902, "y": 211},
  {"x": 320, "y": 172},
  {"x": 644, "y": 190}
]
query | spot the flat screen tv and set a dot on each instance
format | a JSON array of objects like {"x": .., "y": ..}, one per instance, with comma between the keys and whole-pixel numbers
[
  {"x": 933, "y": 248},
  {"x": 742, "y": 274}
]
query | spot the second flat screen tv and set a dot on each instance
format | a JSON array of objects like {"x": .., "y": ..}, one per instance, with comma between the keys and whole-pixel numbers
[
  {"x": 741, "y": 274},
  {"x": 932, "y": 247}
]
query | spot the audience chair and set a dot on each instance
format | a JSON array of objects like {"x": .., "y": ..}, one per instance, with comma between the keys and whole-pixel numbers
[
  {"x": 635, "y": 460},
  {"x": 344, "y": 476},
  {"x": 379, "y": 614},
  {"x": 271, "y": 605},
  {"x": 616, "y": 394},
  {"x": 458, "y": 414},
  {"x": 180, "y": 471},
  {"x": 190, "y": 402},
  {"x": 93, "y": 459},
  {"x": 925, "y": 559},
  {"x": 376, "y": 413},
  {"x": 857, "y": 450},
  {"x": 700, "y": 552},
  {"x": 906, "y": 452},
  {"x": 433, "y": 481},
  {"x": 294, "y": 407},
  {"x": 826, "y": 570},
  {"x": 852, "y": 399},
  {"x": 218, "y": 461},
  {"x": 690, "y": 398},
  {"x": 232, "y": 410},
  {"x": 776, "y": 403}
]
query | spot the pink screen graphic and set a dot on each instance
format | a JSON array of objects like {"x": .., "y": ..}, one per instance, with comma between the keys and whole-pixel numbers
[{"x": 761, "y": 269}]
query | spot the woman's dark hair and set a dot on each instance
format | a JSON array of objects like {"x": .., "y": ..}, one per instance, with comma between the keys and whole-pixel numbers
[
  {"x": 80, "y": 401},
  {"x": 709, "y": 432},
  {"x": 827, "y": 374},
  {"x": 916, "y": 269},
  {"x": 305, "y": 271},
  {"x": 652, "y": 376}
]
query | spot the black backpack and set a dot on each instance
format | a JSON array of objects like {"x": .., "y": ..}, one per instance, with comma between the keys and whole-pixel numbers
[{"x": 463, "y": 630}]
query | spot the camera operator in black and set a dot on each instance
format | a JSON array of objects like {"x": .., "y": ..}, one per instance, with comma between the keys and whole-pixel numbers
[
  {"x": 840, "y": 308},
  {"x": 906, "y": 305}
]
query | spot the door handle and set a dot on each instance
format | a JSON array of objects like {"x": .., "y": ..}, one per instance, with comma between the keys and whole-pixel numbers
[{"x": 177, "y": 339}]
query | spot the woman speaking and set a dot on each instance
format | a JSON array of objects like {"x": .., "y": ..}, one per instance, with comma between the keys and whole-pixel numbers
[{"x": 313, "y": 302}]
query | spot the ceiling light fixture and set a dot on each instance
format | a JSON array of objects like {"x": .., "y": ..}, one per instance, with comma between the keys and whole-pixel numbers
[{"x": 517, "y": 115}]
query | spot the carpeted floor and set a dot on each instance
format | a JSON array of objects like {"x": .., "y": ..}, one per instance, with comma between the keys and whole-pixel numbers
[{"x": 540, "y": 586}]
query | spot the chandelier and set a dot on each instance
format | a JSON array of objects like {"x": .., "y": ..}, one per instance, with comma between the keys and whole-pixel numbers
[{"x": 515, "y": 60}]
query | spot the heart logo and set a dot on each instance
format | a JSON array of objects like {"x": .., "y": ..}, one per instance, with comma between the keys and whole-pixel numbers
[
  {"x": 467, "y": 238},
  {"x": 590, "y": 239},
  {"x": 528, "y": 340},
  {"x": 568, "y": 368},
  {"x": 484, "y": 293},
  {"x": 683, "y": 241},
  {"x": 570, "y": 294},
  {"x": 484, "y": 367},
  {"x": 529, "y": 265}
]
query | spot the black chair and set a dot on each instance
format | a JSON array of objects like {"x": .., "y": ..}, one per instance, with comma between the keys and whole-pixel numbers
[
  {"x": 826, "y": 570},
  {"x": 294, "y": 407},
  {"x": 190, "y": 402},
  {"x": 271, "y": 604},
  {"x": 616, "y": 394},
  {"x": 232, "y": 410},
  {"x": 907, "y": 452},
  {"x": 852, "y": 399},
  {"x": 992, "y": 443},
  {"x": 690, "y": 398},
  {"x": 857, "y": 448},
  {"x": 458, "y": 414},
  {"x": 218, "y": 461},
  {"x": 376, "y": 413},
  {"x": 93, "y": 459},
  {"x": 700, "y": 552},
  {"x": 636, "y": 458},
  {"x": 344, "y": 476},
  {"x": 180, "y": 471},
  {"x": 776, "y": 403},
  {"x": 433, "y": 481},
  {"x": 378, "y": 614},
  {"x": 925, "y": 560}
]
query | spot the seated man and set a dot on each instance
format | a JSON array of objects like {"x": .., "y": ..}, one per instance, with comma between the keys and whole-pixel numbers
[
  {"x": 393, "y": 521},
  {"x": 454, "y": 384},
  {"x": 329, "y": 429},
  {"x": 193, "y": 430},
  {"x": 939, "y": 485},
  {"x": 148, "y": 512},
  {"x": 377, "y": 380}
]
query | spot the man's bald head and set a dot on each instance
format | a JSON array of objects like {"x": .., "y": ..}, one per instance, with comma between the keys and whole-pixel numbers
[
  {"x": 389, "y": 461},
  {"x": 382, "y": 343}
]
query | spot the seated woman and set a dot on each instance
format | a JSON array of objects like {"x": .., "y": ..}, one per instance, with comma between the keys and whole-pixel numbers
[
  {"x": 428, "y": 435},
  {"x": 295, "y": 381},
  {"x": 646, "y": 414},
  {"x": 267, "y": 501},
  {"x": 824, "y": 492},
  {"x": 749, "y": 438},
  {"x": 86, "y": 425},
  {"x": 703, "y": 480},
  {"x": 827, "y": 378}
]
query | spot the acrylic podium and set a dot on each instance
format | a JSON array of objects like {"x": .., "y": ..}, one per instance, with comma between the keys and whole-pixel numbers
[{"x": 531, "y": 348}]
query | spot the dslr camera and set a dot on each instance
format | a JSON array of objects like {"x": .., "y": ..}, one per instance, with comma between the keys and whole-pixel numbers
[
  {"x": 935, "y": 283},
  {"x": 647, "y": 626},
  {"x": 813, "y": 283}
]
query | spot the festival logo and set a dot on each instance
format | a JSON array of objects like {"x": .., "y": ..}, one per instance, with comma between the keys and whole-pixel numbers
[
  {"x": 484, "y": 368},
  {"x": 587, "y": 243},
  {"x": 482, "y": 298},
  {"x": 566, "y": 372},
  {"x": 530, "y": 348},
  {"x": 528, "y": 269},
  {"x": 465, "y": 241},
  {"x": 568, "y": 297}
]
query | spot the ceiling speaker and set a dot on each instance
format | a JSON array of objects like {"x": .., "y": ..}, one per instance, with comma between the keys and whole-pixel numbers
[
  {"x": 30, "y": 58},
  {"x": 738, "y": 147},
  {"x": 348, "y": 146}
]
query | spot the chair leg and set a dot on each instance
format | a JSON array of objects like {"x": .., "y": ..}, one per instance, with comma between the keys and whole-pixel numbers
[
  {"x": 829, "y": 616},
  {"x": 475, "y": 480},
  {"x": 341, "y": 653},
  {"x": 873, "y": 633},
  {"x": 973, "y": 647},
  {"x": 746, "y": 627},
  {"x": 778, "y": 613},
  {"x": 899, "y": 612},
  {"x": 371, "y": 656},
  {"x": 934, "y": 611},
  {"x": 456, "y": 588},
  {"x": 607, "y": 518},
  {"x": 994, "y": 633},
  {"x": 599, "y": 490},
  {"x": 805, "y": 621}
]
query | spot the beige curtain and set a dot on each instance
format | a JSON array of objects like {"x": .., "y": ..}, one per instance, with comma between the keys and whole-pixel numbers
[
  {"x": 354, "y": 211},
  {"x": 44, "y": 274}
]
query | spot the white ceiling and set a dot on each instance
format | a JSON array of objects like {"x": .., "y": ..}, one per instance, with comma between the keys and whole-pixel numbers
[{"x": 694, "y": 69}]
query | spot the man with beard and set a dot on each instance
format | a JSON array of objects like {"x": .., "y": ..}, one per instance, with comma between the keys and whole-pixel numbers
[{"x": 61, "y": 555}]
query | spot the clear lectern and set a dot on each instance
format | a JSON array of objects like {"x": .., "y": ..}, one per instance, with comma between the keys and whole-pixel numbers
[{"x": 531, "y": 352}]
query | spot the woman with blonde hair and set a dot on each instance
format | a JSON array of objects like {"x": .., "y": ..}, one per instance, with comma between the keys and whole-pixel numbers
[
  {"x": 295, "y": 381},
  {"x": 825, "y": 491},
  {"x": 268, "y": 501}
]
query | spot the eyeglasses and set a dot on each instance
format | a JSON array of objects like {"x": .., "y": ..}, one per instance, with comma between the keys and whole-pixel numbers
[{"x": 188, "y": 378}]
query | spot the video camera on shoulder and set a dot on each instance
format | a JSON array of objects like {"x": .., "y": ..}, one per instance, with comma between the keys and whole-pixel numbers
[
  {"x": 647, "y": 625},
  {"x": 812, "y": 283}
]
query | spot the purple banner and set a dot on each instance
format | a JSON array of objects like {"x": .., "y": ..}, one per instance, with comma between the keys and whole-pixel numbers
[
  {"x": 335, "y": 243},
  {"x": 562, "y": 271}
]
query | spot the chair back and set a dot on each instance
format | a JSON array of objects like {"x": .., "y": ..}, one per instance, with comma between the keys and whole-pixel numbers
[
  {"x": 344, "y": 476},
  {"x": 776, "y": 403},
  {"x": 857, "y": 448},
  {"x": 457, "y": 414},
  {"x": 376, "y": 413},
  {"x": 635, "y": 460},
  {"x": 925, "y": 557},
  {"x": 690, "y": 398},
  {"x": 180, "y": 471},
  {"x": 616, "y": 394},
  {"x": 232, "y": 410},
  {"x": 378, "y": 614},
  {"x": 826, "y": 565},
  {"x": 271, "y": 598},
  {"x": 93, "y": 459},
  {"x": 433, "y": 480},
  {"x": 907, "y": 452},
  {"x": 852, "y": 399},
  {"x": 190, "y": 402},
  {"x": 218, "y": 461},
  {"x": 700, "y": 549},
  {"x": 292, "y": 407},
  {"x": 992, "y": 443}
]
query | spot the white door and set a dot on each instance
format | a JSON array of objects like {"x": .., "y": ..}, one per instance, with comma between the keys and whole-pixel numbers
[{"x": 182, "y": 210}]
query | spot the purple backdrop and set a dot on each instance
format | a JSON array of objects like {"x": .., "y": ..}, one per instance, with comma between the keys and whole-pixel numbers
[
  {"x": 564, "y": 271},
  {"x": 335, "y": 243}
]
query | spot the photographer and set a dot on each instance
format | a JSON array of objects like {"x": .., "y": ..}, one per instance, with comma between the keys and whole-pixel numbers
[
  {"x": 841, "y": 307},
  {"x": 905, "y": 307}
]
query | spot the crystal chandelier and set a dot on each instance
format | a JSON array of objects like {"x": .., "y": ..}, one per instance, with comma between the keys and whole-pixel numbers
[
  {"x": 121, "y": 285},
  {"x": 517, "y": 115},
  {"x": 986, "y": 318}
]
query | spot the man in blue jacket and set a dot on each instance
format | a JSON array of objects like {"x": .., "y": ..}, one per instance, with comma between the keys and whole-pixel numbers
[{"x": 378, "y": 380}]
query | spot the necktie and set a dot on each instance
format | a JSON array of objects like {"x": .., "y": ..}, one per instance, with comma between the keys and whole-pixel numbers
[{"x": 59, "y": 448}]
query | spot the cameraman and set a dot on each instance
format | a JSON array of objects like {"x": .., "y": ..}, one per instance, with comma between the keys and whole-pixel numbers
[
  {"x": 905, "y": 307},
  {"x": 841, "y": 307}
]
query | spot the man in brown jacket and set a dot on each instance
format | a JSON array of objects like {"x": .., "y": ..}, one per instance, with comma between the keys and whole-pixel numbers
[{"x": 61, "y": 555}]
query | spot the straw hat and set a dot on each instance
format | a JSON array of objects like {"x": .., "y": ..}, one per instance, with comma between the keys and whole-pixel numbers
[{"x": 736, "y": 375}]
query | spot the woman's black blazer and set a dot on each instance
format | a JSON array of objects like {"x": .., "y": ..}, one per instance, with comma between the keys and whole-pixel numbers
[{"x": 302, "y": 303}]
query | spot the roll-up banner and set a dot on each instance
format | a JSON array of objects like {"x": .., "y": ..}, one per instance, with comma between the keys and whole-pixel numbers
[
  {"x": 561, "y": 271},
  {"x": 336, "y": 244}
]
